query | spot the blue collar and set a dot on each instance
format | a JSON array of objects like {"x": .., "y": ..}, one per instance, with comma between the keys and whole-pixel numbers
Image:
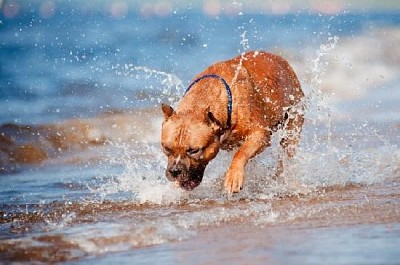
[{"x": 228, "y": 90}]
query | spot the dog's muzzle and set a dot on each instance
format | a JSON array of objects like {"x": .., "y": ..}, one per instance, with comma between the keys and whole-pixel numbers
[{"x": 187, "y": 179}]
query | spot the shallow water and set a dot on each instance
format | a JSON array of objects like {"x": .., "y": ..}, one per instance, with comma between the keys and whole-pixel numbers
[
  {"x": 81, "y": 171},
  {"x": 280, "y": 245}
]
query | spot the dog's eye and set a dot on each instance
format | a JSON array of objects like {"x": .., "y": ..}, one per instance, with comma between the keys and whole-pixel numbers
[
  {"x": 167, "y": 150},
  {"x": 193, "y": 151}
]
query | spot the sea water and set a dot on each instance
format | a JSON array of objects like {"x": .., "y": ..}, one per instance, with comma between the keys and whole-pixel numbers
[{"x": 82, "y": 94}]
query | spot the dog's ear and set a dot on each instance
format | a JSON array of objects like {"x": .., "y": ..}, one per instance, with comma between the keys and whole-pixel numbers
[
  {"x": 213, "y": 120},
  {"x": 167, "y": 110}
]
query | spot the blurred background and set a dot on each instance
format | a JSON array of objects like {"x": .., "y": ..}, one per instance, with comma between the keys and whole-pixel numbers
[
  {"x": 122, "y": 8},
  {"x": 64, "y": 59}
]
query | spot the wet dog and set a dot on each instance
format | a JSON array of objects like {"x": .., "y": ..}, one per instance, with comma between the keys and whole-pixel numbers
[{"x": 235, "y": 104}]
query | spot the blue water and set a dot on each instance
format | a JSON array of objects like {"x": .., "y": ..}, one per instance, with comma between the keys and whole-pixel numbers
[
  {"x": 343, "y": 245},
  {"x": 72, "y": 65},
  {"x": 104, "y": 196}
]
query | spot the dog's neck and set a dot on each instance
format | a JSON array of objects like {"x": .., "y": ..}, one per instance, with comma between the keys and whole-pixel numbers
[{"x": 228, "y": 120}]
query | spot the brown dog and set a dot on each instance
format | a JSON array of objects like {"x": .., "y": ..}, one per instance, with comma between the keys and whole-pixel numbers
[{"x": 235, "y": 103}]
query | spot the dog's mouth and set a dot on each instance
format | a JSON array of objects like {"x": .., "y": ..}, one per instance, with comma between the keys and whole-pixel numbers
[
  {"x": 188, "y": 184},
  {"x": 188, "y": 180}
]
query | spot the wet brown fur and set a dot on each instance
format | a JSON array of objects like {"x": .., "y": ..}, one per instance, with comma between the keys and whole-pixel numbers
[{"x": 266, "y": 94}]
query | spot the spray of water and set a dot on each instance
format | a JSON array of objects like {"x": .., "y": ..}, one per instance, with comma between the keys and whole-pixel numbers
[
  {"x": 316, "y": 146},
  {"x": 169, "y": 85},
  {"x": 319, "y": 160},
  {"x": 245, "y": 46},
  {"x": 323, "y": 159}
]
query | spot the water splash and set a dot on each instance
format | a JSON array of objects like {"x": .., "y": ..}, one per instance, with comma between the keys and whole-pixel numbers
[
  {"x": 170, "y": 85},
  {"x": 321, "y": 159},
  {"x": 66, "y": 219},
  {"x": 245, "y": 45},
  {"x": 319, "y": 65}
]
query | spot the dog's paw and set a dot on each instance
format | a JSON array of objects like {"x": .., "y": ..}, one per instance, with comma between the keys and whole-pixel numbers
[{"x": 233, "y": 181}]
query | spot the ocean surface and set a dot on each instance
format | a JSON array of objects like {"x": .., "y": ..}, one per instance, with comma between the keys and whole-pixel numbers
[{"x": 81, "y": 169}]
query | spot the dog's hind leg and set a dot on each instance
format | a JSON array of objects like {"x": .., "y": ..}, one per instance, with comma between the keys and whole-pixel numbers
[{"x": 292, "y": 129}]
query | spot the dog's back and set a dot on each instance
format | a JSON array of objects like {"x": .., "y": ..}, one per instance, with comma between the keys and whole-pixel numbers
[
  {"x": 274, "y": 75},
  {"x": 264, "y": 87}
]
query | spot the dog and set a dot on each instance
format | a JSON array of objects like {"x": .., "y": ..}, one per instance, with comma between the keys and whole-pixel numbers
[{"x": 234, "y": 104}]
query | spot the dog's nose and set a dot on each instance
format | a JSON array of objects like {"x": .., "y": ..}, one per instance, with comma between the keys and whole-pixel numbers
[{"x": 174, "y": 171}]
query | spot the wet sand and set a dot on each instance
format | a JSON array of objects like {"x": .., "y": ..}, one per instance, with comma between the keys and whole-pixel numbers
[
  {"x": 293, "y": 244},
  {"x": 341, "y": 225},
  {"x": 352, "y": 224}
]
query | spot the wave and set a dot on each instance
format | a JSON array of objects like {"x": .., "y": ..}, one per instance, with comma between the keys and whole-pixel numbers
[
  {"x": 25, "y": 144},
  {"x": 354, "y": 66}
]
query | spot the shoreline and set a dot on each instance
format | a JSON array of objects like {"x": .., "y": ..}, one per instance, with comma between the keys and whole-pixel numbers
[
  {"x": 374, "y": 209},
  {"x": 365, "y": 229}
]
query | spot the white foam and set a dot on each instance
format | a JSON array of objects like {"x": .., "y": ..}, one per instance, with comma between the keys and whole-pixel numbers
[
  {"x": 349, "y": 68},
  {"x": 66, "y": 219}
]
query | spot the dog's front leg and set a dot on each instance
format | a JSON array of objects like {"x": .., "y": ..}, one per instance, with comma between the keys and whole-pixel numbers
[{"x": 253, "y": 144}]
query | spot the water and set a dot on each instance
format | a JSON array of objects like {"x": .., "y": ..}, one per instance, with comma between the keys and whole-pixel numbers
[
  {"x": 81, "y": 170},
  {"x": 351, "y": 247}
]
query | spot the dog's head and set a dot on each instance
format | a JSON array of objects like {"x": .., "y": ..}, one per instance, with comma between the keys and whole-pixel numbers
[{"x": 189, "y": 141}]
